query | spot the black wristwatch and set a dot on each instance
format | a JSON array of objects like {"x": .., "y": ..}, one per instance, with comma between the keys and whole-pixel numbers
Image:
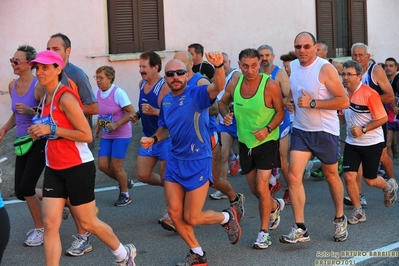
[
  {"x": 364, "y": 129},
  {"x": 313, "y": 104},
  {"x": 269, "y": 129}
]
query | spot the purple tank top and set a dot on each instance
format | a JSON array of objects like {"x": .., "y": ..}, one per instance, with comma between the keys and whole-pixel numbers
[
  {"x": 23, "y": 121},
  {"x": 109, "y": 110}
]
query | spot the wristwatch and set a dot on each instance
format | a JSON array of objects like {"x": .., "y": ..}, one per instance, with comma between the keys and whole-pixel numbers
[
  {"x": 364, "y": 129},
  {"x": 53, "y": 129},
  {"x": 313, "y": 104},
  {"x": 269, "y": 129}
]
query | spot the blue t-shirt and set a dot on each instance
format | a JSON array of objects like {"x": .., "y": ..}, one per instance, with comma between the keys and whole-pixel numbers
[
  {"x": 187, "y": 118},
  {"x": 150, "y": 122}
]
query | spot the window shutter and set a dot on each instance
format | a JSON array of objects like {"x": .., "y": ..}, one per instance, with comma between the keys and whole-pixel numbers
[
  {"x": 121, "y": 20},
  {"x": 152, "y": 36},
  {"x": 358, "y": 21},
  {"x": 325, "y": 17}
]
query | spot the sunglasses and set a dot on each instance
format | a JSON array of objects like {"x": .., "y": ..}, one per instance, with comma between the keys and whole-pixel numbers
[
  {"x": 306, "y": 46},
  {"x": 348, "y": 74},
  {"x": 12, "y": 61},
  {"x": 179, "y": 72}
]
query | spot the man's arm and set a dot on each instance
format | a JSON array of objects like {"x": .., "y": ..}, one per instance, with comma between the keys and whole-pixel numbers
[
  {"x": 381, "y": 79},
  {"x": 161, "y": 134},
  {"x": 274, "y": 99},
  {"x": 329, "y": 77},
  {"x": 284, "y": 83},
  {"x": 228, "y": 97},
  {"x": 90, "y": 106},
  {"x": 216, "y": 58}
]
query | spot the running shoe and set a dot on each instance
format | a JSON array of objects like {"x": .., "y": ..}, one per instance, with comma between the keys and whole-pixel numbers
[
  {"x": 66, "y": 212},
  {"x": 274, "y": 219},
  {"x": 308, "y": 168},
  {"x": 348, "y": 201},
  {"x": 234, "y": 166},
  {"x": 79, "y": 246},
  {"x": 232, "y": 227},
  {"x": 35, "y": 238},
  {"x": 341, "y": 230},
  {"x": 238, "y": 205},
  {"x": 218, "y": 195},
  {"x": 286, "y": 197},
  {"x": 262, "y": 241},
  {"x": 130, "y": 183},
  {"x": 275, "y": 188},
  {"x": 194, "y": 259},
  {"x": 296, "y": 235},
  {"x": 391, "y": 195},
  {"x": 358, "y": 216},
  {"x": 318, "y": 173},
  {"x": 276, "y": 173},
  {"x": 129, "y": 260},
  {"x": 166, "y": 222},
  {"x": 123, "y": 200}
]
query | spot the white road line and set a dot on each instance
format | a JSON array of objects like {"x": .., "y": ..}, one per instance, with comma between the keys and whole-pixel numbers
[
  {"x": 386, "y": 248},
  {"x": 136, "y": 184}
]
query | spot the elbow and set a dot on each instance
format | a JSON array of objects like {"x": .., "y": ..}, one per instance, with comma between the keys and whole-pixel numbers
[{"x": 88, "y": 137}]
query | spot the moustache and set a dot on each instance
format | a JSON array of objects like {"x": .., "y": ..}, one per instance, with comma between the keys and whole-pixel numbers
[{"x": 143, "y": 73}]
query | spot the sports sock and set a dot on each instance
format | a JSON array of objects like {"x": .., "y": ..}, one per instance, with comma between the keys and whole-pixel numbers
[
  {"x": 120, "y": 253},
  {"x": 198, "y": 250}
]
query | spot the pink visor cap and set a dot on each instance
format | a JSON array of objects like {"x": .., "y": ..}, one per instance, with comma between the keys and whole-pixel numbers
[{"x": 48, "y": 57}]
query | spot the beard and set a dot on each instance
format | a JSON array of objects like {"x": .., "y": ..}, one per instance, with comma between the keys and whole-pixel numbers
[{"x": 177, "y": 85}]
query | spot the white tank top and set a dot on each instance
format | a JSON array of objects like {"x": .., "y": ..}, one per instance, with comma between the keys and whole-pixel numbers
[{"x": 308, "y": 119}]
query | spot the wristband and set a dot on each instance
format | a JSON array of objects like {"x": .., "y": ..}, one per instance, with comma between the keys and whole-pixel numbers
[
  {"x": 219, "y": 66},
  {"x": 155, "y": 138},
  {"x": 53, "y": 129}
]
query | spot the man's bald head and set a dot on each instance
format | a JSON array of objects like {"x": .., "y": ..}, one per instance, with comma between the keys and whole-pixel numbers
[
  {"x": 175, "y": 64},
  {"x": 186, "y": 58}
]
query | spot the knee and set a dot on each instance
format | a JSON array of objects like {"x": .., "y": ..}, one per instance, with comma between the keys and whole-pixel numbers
[
  {"x": 142, "y": 176},
  {"x": 103, "y": 167},
  {"x": 369, "y": 182},
  {"x": 192, "y": 220}
]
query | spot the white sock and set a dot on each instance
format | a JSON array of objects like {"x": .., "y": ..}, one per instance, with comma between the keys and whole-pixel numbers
[
  {"x": 120, "y": 253},
  {"x": 226, "y": 217},
  {"x": 389, "y": 187},
  {"x": 198, "y": 251},
  {"x": 126, "y": 194},
  {"x": 233, "y": 157},
  {"x": 272, "y": 180}
]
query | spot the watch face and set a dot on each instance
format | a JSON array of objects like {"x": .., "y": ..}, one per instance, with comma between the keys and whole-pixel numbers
[{"x": 313, "y": 103}]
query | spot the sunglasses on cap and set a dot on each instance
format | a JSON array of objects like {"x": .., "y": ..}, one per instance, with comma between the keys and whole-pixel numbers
[
  {"x": 179, "y": 72},
  {"x": 12, "y": 61}
]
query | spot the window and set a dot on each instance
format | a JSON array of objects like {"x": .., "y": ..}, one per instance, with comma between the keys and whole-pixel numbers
[
  {"x": 135, "y": 26},
  {"x": 341, "y": 23}
]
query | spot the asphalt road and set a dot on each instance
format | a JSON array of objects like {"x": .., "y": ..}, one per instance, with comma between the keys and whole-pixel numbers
[{"x": 137, "y": 223}]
